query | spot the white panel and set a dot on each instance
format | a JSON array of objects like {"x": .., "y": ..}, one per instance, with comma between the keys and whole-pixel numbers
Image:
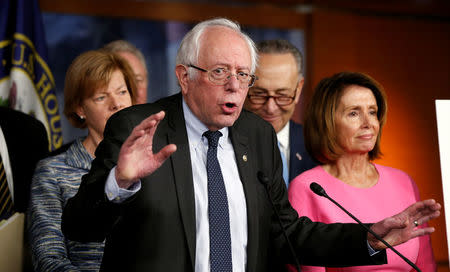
[{"x": 443, "y": 123}]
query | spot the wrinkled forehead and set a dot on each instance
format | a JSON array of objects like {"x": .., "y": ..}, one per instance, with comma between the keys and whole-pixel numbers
[{"x": 220, "y": 45}]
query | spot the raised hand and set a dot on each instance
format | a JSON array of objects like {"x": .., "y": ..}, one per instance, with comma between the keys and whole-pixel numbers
[
  {"x": 136, "y": 158},
  {"x": 402, "y": 227}
]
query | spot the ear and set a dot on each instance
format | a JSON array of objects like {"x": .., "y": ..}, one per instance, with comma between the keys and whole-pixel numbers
[
  {"x": 183, "y": 77},
  {"x": 299, "y": 89},
  {"x": 80, "y": 112}
]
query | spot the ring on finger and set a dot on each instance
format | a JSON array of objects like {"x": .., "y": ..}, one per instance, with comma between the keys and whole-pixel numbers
[{"x": 416, "y": 223}]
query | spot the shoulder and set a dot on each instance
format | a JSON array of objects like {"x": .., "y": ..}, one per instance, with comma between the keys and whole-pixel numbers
[
  {"x": 129, "y": 117},
  {"x": 391, "y": 172},
  {"x": 252, "y": 123},
  {"x": 144, "y": 110},
  {"x": 17, "y": 128},
  {"x": 59, "y": 162},
  {"x": 66, "y": 167},
  {"x": 395, "y": 177},
  {"x": 307, "y": 177},
  {"x": 295, "y": 131},
  {"x": 51, "y": 162},
  {"x": 48, "y": 171},
  {"x": 300, "y": 194},
  {"x": 20, "y": 121},
  {"x": 294, "y": 125}
]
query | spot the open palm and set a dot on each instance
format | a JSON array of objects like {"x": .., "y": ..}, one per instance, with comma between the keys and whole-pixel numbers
[{"x": 136, "y": 158}]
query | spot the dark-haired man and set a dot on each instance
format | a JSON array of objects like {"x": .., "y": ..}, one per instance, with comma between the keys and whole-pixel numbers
[{"x": 274, "y": 97}]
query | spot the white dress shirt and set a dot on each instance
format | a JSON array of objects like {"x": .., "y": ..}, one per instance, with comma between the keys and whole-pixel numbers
[
  {"x": 283, "y": 140},
  {"x": 198, "y": 147}
]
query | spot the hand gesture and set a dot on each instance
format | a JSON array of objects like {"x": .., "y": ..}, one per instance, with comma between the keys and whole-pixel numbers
[
  {"x": 136, "y": 158},
  {"x": 404, "y": 226}
]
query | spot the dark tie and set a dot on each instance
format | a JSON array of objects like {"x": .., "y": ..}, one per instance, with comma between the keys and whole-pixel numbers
[
  {"x": 6, "y": 205},
  {"x": 219, "y": 219}
]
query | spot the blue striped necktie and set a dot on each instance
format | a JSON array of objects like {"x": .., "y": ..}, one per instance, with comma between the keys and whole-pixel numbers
[
  {"x": 219, "y": 219},
  {"x": 285, "y": 166},
  {"x": 6, "y": 205}
]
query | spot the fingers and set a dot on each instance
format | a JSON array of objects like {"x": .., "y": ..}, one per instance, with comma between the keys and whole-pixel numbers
[
  {"x": 148, "y": 125},
  {"x": 425, "y": 218},
  {"x": 423, "y": 208},
  {"x": 430, "y": 207},
  {"x": 151, "y": 121},
  {"x": 424, "y": 211},
  {"x": 165, "y": 153},
  {"x": 429, "y": 204},
  {"x": 421, "y": 231}
]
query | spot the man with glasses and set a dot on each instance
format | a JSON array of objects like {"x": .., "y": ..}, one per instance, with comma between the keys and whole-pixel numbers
[
  {"x": 274, "y": 96},
  {"x": 175, "y": 184}
]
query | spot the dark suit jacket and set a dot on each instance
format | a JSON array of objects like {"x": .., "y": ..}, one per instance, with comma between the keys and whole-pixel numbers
[
  {"x": 155, "y": 230},
  {"x": 299, "y": 158},
  {"x": 27, "y": 142}
]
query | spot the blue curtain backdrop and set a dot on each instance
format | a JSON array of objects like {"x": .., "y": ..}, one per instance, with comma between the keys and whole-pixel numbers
[{"x": 69, "y": 35}]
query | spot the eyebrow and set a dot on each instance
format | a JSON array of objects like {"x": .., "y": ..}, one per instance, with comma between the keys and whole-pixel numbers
[
  {"x": 359, "y": 106},
  {"x": 121, "y": 87},
  {"x": 276, "y": 90},
  {"x": 228, "y": 66}
]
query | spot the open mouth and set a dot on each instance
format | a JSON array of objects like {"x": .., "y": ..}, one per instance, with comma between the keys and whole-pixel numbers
[
  {"x": 230, "y": 105},
  {"x": 229, "y": 108}
]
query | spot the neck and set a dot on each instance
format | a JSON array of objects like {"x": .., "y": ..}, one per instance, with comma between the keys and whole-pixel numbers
[
  {"x": 91, "y": 143},
  {"x": 354, "y": 170}
]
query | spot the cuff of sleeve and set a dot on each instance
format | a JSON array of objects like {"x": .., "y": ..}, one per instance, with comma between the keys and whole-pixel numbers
[
  {"x": 116, "y": 194},
  {"x": 371, "y": 250}
]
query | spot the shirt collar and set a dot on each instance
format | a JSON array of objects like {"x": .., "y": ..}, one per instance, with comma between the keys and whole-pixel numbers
[
  {"x": 77, "y": 155},
  {"x": 283, "y": 136},
  {"x": 195, "y": 128}
]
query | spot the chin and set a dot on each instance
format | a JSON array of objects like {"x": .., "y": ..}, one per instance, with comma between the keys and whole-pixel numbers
[{"x": 226, "y": 121}]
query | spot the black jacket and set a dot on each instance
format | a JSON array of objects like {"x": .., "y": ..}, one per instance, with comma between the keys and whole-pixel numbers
[
  {"x": 27, "y": 142},
  {"x": 155, "y": 230}
]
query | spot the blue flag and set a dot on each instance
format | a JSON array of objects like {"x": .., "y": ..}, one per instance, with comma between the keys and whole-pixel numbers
[{"x": 26, "y": 82}]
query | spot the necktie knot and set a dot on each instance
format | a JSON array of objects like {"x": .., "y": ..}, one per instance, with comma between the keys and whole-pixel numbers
[{"x": 213, "y": 138}]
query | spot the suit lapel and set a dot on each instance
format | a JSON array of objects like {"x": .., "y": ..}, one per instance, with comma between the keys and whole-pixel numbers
[
  {"x": 243, "y": 159},
  {"x": 181, "y": 163},
  {"x": 294, "y": 162}
]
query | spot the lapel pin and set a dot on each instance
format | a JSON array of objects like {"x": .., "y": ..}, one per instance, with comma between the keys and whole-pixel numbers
[
  {"x": 299, "y": 157},
  {"x": 244, "y": 157}
]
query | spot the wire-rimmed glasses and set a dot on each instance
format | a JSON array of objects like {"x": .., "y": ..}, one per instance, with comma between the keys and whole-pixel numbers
[{"x": 221, "y": 76}]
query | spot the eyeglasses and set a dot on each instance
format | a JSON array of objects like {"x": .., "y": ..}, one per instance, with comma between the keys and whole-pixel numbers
[
  {"x": 281, "y": 100},
  {"x": 221, "y": 76}
]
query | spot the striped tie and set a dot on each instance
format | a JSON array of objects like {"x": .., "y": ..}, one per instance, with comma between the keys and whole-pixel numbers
[
  {"x": 285, "y": 166},
  {"x": 6, "y": 205}
]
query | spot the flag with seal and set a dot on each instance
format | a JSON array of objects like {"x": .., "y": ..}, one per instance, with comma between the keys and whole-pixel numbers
[{"x": 26, "y": 82}]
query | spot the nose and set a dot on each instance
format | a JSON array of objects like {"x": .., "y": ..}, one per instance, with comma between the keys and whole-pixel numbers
[
  {"x": 270, "y": 105},
  {"x": 116, "y": 103},
  {"x": 233, "y": 83},
  {"x": 365, "y": 122}
]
